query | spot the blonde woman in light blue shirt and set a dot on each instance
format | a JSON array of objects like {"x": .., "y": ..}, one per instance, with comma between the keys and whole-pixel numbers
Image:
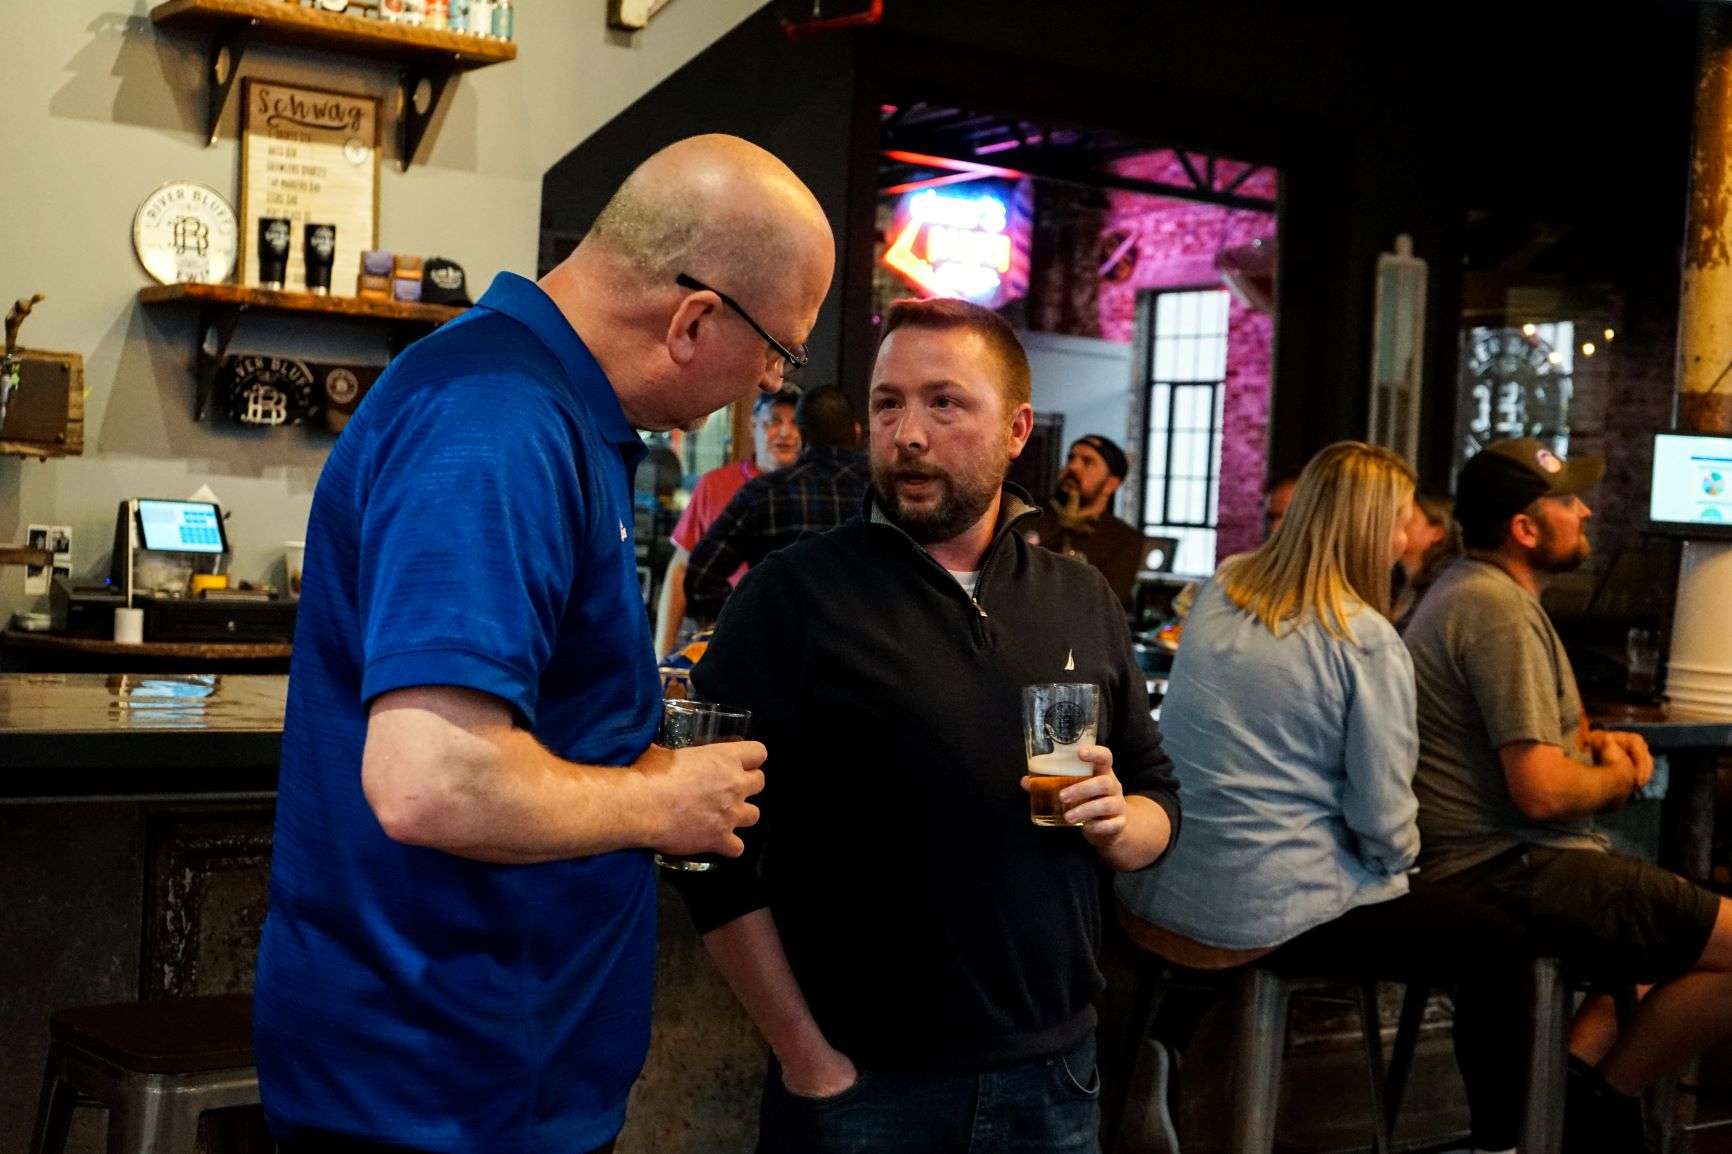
[{"x": 1290, "y": 720}]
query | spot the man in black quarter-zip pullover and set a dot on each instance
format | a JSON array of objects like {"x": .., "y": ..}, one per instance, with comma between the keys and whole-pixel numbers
[{"x": 919, "y": 955}]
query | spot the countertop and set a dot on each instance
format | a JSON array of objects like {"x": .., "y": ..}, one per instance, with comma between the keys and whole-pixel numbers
[{"x": 73, "y": 734}]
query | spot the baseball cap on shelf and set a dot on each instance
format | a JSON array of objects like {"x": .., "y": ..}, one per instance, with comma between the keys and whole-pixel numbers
[
  {"x": 443, "y": 283},
  {"x": 1117, "y": 464},
  {"x": 1506, "y": 477}
]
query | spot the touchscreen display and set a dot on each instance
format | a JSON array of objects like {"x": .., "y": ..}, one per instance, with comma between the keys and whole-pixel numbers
[{"x": 181, "y": 526}]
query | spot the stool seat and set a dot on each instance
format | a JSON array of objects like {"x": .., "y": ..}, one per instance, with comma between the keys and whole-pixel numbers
[
  {"x": 157, "y": 1067},
  {"x": 182, "y": 1036}
]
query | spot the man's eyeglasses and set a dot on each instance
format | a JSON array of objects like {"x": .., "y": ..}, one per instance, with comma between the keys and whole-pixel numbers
[{"x": 793, "y": 360}]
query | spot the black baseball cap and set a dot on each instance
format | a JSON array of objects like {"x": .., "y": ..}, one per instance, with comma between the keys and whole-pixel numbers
[
  {"x": 443, "y": 283},
  {"x": 1117, "y": 463},
  {"x": 1506, "y": 477}
]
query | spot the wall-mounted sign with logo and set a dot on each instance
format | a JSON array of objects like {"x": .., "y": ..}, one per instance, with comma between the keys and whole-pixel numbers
[
  {"x": 309, "y": 156},
  {"x": 954, "y": 244},
  {"x": 185, "y": 232}
]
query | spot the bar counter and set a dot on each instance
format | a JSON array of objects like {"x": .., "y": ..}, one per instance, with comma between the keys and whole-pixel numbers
[
  {"x": 85, "y": 735},
  {"x": 135, "y": 837}
]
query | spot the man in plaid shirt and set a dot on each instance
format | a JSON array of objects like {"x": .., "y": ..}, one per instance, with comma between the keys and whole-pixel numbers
[{"x": 824, "y": 487}]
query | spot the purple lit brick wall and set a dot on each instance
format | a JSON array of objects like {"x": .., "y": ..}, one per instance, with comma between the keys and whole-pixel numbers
[{"x": 1175, "y": 243}]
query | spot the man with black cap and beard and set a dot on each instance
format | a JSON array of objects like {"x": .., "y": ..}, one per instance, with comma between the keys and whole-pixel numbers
[
  {"x": 919, "y": 955},
  {"x": 1078, "y": 521},
  {"x": 1511, "y": 776}
]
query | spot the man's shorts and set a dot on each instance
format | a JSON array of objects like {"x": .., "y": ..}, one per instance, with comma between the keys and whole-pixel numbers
[{"x": 1606, "y": 916}]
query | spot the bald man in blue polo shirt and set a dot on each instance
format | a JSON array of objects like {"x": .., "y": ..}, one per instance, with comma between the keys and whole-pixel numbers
[{"x": 460, "y": 947}]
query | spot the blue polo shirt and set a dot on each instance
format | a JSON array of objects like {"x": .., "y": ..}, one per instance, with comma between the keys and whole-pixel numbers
[{"x": 472, "y": 528}]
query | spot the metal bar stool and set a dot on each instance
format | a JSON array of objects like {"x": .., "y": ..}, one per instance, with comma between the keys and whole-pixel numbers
[
  {"x": 156, "y": 1066},
  {"x": 1260, "y": 1037},
  {"x": 1259, "y": 1047},
  {"x": 1548, "y": 1058},
  {"x": 1261, "y": 999}
]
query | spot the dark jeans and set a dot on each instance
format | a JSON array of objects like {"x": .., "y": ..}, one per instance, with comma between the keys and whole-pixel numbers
[
  {"x": 309, "y": 1143},
  {"x": 1047, "y": 1106}
]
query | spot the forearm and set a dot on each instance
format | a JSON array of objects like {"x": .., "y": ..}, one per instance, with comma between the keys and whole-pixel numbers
[
  {"x": 1383, "y": 816},
  {"x": 1387, "y": 850},
  {"x": 671, "y": 606},
  {"x": 1547, "y": 785},
  {"x": 748, "y": 951},
  {"x": 1593, "y": 789},
  {"x": 493, "y": 793},
  {"x": 1145, "y": 837}
]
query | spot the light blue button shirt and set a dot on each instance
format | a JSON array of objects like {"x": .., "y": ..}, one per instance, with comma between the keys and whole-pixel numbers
[{"x": 1295, "y": 756}]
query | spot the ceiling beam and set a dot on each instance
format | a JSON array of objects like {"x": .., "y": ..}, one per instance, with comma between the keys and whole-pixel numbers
[{"x": 1084, "y": 178}]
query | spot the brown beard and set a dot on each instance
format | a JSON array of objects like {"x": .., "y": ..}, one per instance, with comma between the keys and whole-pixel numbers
[
  {"x": 957, "y": 508},
  {"x": 1084, "y": 497},
  {"x": 1547, "y": 557}
]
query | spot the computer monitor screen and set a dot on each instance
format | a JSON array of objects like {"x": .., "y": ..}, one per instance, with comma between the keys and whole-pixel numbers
[
  {"x": 1691, "y": 495},
  {"x": 181, "y": 527}
]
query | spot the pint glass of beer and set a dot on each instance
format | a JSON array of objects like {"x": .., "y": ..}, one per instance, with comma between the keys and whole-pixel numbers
[
  {"x": 1058, "y": 720},
  {"x": 687, "y": 723}
]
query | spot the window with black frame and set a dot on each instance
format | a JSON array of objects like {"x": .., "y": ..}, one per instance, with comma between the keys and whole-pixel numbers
[{"x": 1185, "y": 369}]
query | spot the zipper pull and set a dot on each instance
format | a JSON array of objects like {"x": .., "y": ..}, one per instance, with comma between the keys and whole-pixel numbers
[{"x": 979, "y": 607}]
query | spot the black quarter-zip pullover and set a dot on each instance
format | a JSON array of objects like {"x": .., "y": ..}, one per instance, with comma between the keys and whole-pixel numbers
[{"x": 929, "y": 923}]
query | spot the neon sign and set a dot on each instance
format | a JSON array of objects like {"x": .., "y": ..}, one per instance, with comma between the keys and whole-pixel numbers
[{"x": 952, "y": 245}]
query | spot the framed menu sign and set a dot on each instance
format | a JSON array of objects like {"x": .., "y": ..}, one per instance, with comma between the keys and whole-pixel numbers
[{"x": 311, "y": 157}]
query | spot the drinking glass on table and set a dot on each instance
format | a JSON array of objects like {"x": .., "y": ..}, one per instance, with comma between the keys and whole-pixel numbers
[
  {"x": 688, "y": 723},
  {"x": 1642, "y": 649},
  {"x": 1058, "y": 720}
]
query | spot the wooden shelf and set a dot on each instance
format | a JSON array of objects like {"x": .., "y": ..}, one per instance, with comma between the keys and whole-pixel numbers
[
  {"x": 269, "y": 300},
  {"x": 24, "y": 554},
  {"x": 34, "y": 450},
  {"x": 427, "y": 59},
  {"x": 220, "y": 308},
  {"x": 283, "y": 22}
]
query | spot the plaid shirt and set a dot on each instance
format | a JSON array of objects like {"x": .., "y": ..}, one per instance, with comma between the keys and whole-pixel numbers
[{"x": 819, "y": 491}]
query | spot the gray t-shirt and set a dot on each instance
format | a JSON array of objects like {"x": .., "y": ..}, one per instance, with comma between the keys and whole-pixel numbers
[{"x": 1489, "y": 670}]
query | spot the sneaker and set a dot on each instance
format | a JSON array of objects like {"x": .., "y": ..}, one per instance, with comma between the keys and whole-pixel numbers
[{"x": 1598, "y": 1119}]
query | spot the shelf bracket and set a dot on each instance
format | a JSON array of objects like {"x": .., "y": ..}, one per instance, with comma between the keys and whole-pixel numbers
[
  {"x": 222, "y": 67},
  {"x": 415, "y": 118},
  {"x": 216, "y": 328}
]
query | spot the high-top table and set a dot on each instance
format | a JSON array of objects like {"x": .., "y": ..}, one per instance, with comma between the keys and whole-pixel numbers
[{"x": 1693, "y": 745}]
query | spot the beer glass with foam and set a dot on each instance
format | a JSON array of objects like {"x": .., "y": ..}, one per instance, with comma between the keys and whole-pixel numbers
[
  {"x": 1058, "y": 721},
  {"x": 686, "y": 723}
]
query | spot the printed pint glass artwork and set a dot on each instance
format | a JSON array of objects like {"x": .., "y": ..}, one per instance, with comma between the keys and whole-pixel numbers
[{"x": 1058, "y": 721}]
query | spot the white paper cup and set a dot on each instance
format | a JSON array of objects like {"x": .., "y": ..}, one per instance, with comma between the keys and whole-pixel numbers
[
  {"x": 129, "y": 626},
  {"x": 294, "y": 552}
]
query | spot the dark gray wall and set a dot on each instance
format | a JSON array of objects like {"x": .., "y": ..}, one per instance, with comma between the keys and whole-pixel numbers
[
  {"x": 1385, "y": 119},
  {"x": 795, "y": 100}
]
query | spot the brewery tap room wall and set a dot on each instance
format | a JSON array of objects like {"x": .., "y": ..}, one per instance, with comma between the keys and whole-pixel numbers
[{"x": 103, "y": 108}]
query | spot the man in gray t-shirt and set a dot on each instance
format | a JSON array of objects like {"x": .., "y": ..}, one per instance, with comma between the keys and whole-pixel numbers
[
  {"x": 1510, "y": 776},
  {"x": 1491, "y": 672}
]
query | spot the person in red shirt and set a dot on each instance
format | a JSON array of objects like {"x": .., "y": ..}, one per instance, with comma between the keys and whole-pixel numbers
[{"x": 775, "y": 445}]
